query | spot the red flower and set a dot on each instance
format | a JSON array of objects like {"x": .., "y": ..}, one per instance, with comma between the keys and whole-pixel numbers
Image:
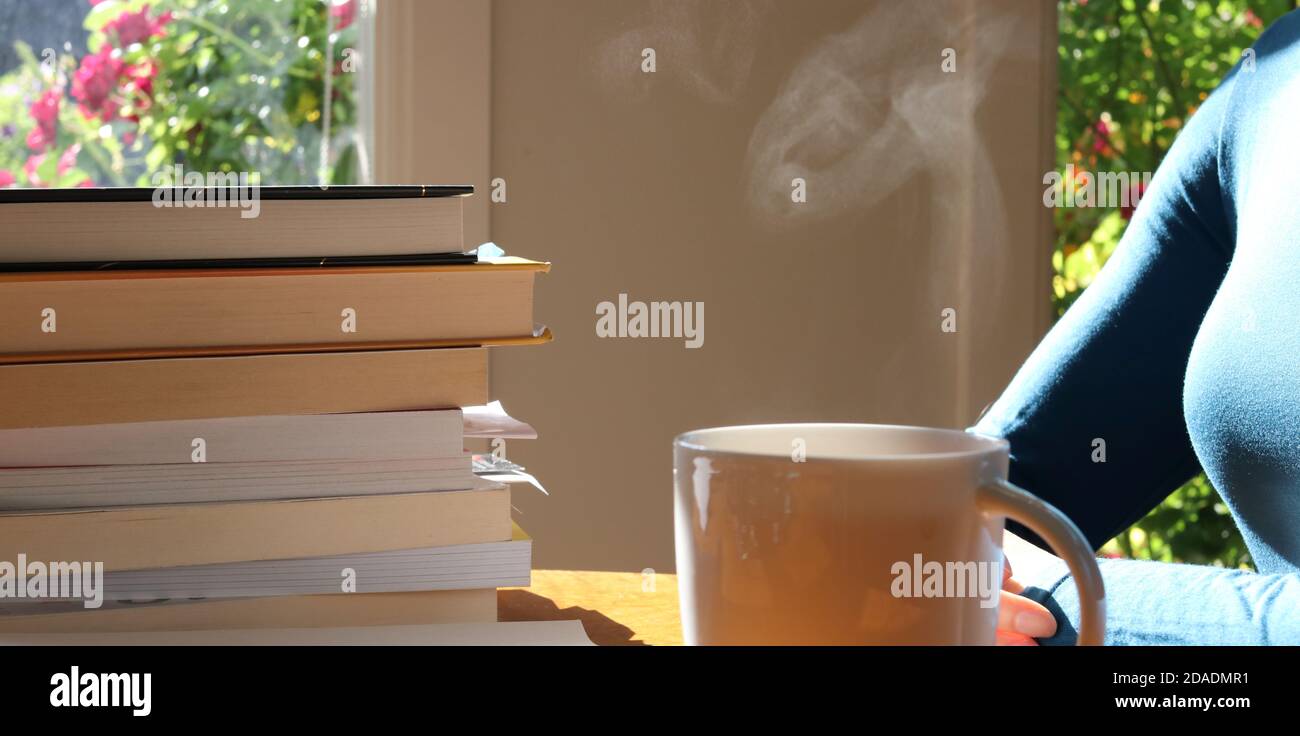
[
  {"x": 142, "y": 78},
  {"x": 137, "y": 89},
  {"x": 344, "y": 13},
  {"x": 139, "y": 83},
  {"x": 137, "y": 27},
  {"x": 94, "y": 82},
  {"x": 45, "y": 111},
  {"x": 6, "y": 178}
]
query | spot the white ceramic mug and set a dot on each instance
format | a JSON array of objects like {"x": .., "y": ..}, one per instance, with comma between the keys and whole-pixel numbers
[{"x": 854, "y": 534}]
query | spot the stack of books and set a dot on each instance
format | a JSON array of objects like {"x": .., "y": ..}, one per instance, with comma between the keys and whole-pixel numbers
[{"x": 211, "y": 420}]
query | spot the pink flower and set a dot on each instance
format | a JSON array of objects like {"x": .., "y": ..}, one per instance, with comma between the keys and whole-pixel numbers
[
  {"x": 1099, "y": 141},
  {"x": 6, "y": 178},
  {"x": 29, "y": 168},
  {"x": 69, "y": 158},
  {"x": 344, "y": 13},
  {"x": 94, "y": 82},
  {"x": 137, "y": 27},
  {"x": 45, "y": 111}
]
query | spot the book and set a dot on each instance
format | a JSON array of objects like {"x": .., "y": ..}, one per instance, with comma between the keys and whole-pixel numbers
[
  {"x": 247, "y": 408},
  {"x": 144, "y": 224},
  {"x": 390, "y": 435},
  {"x": 142, "y": 537},
  {"x": 294, "y": 611},
  {"x": 102, "y": 486},
  {"x": 87, "y": 314},
  {"x": 116, "y": 391},
  {"x": 448, "y": 567}
]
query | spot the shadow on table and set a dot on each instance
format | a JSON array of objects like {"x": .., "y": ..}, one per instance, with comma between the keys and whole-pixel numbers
[{"x": 521, "y": 605}]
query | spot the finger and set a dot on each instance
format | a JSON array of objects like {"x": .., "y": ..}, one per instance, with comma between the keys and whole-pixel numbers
[
  {"x": 1022, "y": 616},
  {"x": 1011, "y": 585},
  {"x": 1012, "y": 639}
]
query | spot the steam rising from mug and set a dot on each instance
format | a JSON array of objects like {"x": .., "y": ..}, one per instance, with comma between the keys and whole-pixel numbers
[
  {"x": 711, "y": 46},
  {"x": 871, "y": 109}
]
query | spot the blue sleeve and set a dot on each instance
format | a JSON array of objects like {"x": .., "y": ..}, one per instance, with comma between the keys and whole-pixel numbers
[{"x": 1111, "y": 370}]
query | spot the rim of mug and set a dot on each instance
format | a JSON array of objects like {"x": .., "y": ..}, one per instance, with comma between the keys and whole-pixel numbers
[{"x": 987, "y": 443}]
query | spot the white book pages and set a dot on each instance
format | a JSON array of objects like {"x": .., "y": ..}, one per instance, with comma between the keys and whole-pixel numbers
[
  {"x": 328, "y": 437},
  {"x": 492, "y": 421},
  {"x": 32, "y": 489},
  {"x": 452, "y": 567}
]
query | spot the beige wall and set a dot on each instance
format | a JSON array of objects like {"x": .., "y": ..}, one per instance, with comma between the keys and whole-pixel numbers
[
  {"x": 433, "y": 94},
  {"x": 924, "y": 192}
]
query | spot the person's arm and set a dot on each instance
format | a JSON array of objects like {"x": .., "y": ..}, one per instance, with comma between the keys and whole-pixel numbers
[{"x": 1095, "y": 415}]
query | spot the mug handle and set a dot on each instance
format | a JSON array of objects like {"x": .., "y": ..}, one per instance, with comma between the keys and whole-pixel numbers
[{"x": 1005, "y": 499}]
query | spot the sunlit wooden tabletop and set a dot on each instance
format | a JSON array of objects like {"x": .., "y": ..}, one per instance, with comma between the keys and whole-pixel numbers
[{"x": 616, "y": 608}]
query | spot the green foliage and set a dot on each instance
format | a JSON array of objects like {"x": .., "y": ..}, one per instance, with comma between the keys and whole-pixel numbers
[
  {"x": 1131, "y": 74},
  {"x": 1192, "y": 525},
  {"x": 213, "y": 86}
]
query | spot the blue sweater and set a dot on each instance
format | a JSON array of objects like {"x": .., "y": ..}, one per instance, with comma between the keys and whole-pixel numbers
[{"x": 1185, "y": 354}]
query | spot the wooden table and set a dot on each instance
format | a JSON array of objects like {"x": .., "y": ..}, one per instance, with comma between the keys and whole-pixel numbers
[{"x": 616, "y": 608}]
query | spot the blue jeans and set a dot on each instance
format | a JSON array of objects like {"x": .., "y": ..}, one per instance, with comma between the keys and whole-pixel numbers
[{"x": 1164, "y": 603}]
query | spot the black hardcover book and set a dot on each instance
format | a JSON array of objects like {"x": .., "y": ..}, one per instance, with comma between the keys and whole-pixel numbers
[
  {"x": 419, "y": 259},
  {"x": 276, "y": 192}
]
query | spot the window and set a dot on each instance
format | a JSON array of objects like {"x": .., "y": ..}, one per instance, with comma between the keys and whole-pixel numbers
[{"x": 114, "y": 92}]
